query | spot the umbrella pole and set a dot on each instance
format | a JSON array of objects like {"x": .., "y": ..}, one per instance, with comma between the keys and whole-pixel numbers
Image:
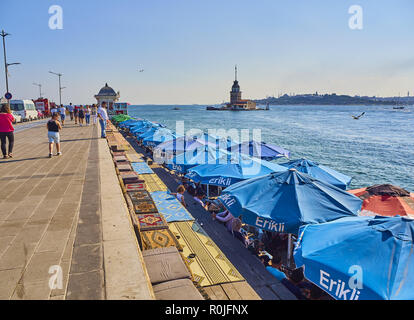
[
  {"x": 208, "y": 192},
  {"x": 289, "y": 250}
]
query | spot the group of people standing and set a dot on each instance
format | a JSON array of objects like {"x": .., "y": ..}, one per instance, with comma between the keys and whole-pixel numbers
[
  {"x": 79, "y": 114},
  {"x": 83, "y": 114},
  {"x": 54, "y": 125}
]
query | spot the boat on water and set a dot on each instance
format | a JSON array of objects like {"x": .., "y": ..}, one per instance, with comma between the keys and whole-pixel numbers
[{"x": 398, "y": 108}]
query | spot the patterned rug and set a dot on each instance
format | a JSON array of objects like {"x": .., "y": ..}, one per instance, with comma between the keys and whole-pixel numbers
[
  {"x": 151, "y": 221},
  {"x": 159, "y": 239},
  {"x": 139, "y": 196},
  {"x": 170, "y": 207},
  {"x": 153, "y": 182},
  {"x": 207, "y": 263},
  {"x": 144, "y": 207},
  {"x": 132, "y": 187},
  {"x": 141, "y": 168}
]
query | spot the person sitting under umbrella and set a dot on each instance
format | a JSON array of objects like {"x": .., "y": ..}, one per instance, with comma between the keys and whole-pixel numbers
[{"x": 225, "y": 217}]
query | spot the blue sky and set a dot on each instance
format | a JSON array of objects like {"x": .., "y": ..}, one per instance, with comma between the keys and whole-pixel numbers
[{"x": 188, "y": 48}]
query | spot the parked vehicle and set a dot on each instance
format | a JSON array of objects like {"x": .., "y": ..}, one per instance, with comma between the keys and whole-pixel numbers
[
  {"x": 25, "y": 108},
  {"x": 17, "y": 117},
  {"x": 43, "y": 105}
]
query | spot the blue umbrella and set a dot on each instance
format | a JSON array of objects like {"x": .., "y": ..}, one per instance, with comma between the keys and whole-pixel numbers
[
  {"x": 185, "y": 143},
  {"x": 263, "y": 150},
  {"x": 319, "y": 172},
  {"x": 127, "y": 123},
  {"x": 202, "y": 155},
  {"x": 226, "y": 174},
  {"x": 139, "y": 130},
  {"x": 362, "y": 258},
  {"x": 138, "y": 125},
  {"x": 157, "y": 137},
  {"x": 282, "y": 202}
]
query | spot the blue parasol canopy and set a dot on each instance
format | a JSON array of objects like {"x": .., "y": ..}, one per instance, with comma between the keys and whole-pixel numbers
[
  {"x": 319, "y": 172},
  {"x": 282, "y": 202},
  {"x": 237, "y": 169},
  {"x": 184, "y": 143},
  {"x": 360, "y": 258},
  {"x": 129, "y": 122},
  {"x": 158, "y": 136},
  {"x": 263, "y": 150},
  {"x": 202, "y": 155}
]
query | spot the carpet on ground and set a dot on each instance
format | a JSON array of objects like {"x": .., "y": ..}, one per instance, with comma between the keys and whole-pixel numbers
[
  {"x": 151, "y": 221},
  {"x": 141, "y": 168},
  {"x": 159, "y": 239},
  {"x": 207, "y": 262},
  {"x": 170, "y": 207},
  {"x": 153, "y": 182}
]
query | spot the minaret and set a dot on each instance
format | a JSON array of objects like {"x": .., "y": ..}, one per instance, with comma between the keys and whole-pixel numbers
[{"x": 235, "y": 93}]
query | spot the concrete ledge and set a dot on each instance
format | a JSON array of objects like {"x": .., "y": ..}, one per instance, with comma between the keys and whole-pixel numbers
[{"x": 126, "y": 276}]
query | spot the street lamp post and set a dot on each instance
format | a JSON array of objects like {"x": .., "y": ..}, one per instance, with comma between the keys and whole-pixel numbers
[
  {"x": 40, "y": 88},
  {"x": 6, "y": 65},
  {"x": 60, "y": 87}
]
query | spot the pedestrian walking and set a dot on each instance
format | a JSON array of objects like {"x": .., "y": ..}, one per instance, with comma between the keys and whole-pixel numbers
[
  {"x": 62, "y": 111},
  {"x": 71, "y": 108},
  {"x": 81, "y": 115},
  {"x": 87, "y": 115},
  {"x": 94, "y": 114},
  {"x": 6, "y": 130},
  {"x": 53, "y": 128},
  {"x": 53, "y": 110},
  {"x": 103, "y": 118},
  {"x": 76, "y": 114}
]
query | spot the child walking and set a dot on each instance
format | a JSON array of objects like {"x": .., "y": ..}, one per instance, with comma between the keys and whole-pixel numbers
[{"x": 53, "y": 128}]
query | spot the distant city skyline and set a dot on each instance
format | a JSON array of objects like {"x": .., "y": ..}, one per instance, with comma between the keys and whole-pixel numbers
[{"x": 184, "y": 51}]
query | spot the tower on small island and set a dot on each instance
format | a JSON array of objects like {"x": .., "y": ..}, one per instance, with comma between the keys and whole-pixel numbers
[
  {"x": 235, "y": 93},
  {"x": 236, "y": 102}
]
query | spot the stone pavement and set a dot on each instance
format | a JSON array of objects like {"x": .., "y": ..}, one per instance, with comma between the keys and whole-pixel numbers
[{"x": 58, "y": 227}]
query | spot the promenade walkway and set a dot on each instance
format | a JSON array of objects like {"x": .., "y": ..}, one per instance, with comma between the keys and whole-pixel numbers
[{"x": 65, "y": 231}]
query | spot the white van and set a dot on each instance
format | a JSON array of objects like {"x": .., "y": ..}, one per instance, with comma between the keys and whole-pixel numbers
[{"x": 25, "y": 108}]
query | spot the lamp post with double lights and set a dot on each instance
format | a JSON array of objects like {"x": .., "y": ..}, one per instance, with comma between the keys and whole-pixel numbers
[
  {"x": 60, "y": 87},
  {"x": 40, "y": 88}
]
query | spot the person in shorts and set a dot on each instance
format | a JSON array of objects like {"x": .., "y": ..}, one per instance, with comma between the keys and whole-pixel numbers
[
  {"x": 53, "y": 128},
  {"x": 62, "y": 111}
]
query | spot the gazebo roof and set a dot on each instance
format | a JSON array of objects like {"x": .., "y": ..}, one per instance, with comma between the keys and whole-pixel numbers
[{"x": 107, "y": 91}]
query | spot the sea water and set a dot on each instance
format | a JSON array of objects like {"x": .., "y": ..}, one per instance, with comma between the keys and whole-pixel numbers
[{"x": 378, "y": 148}]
